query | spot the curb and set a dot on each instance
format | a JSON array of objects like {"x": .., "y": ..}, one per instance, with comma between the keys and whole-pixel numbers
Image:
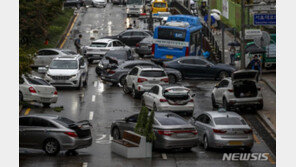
[
  {"x": 269, "y": 84},
  {"x": 64, "y": 36},
  {"x": 20, "y": 108},
  {"x": 267, "y": 122}
]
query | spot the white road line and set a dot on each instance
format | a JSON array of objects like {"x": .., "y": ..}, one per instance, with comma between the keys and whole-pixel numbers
[
  {"x": 84, "y": 164},
  {"x": 95, "y": 84},
  {"x": 164, "y": 156},
  {"x": 101, "y": 138},
  {"x": 93, "y": 98},
  {"x": 91, "y": 115},
  {"x": 110, "y": 137}
]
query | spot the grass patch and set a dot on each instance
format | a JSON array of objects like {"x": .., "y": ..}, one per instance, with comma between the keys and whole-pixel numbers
[{"x": 58, "y": 109}]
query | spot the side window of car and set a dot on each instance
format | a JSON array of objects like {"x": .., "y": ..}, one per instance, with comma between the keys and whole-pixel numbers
[
  {"x": 200, "y": 118},
  {"x": 154, "y": 90},
  {"x": 41, "y": 122},
  {"x": 199, "y": 62},
  {"x": 110, "y": 44},
  {"x": 134, "y": 71},
  {"x": 130, "y": 66},
  {"x": 133, "y": 118},
  {"x": 206, "y": 119},
  {"x": 120, "y": 43},
  {"x": 127, "y": 34},
  {"x": 25, "y": 121},
  {"x": 50, "y": 52},
  {"x": 223, "y": 84},
  {"x": 115, "y": 44},
  {"x": 41, "y": 52},
  {"x": 188, "y": 61},
  {"x": 81, "y": 62}
]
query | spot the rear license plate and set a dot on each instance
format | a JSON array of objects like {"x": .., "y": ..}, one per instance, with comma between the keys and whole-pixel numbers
[
  {"x": 182, "y": 134},
  {"x": 169, "y": 56},
  {"x": 45, "y": 99},
  {"x": 235, "y": 143}
]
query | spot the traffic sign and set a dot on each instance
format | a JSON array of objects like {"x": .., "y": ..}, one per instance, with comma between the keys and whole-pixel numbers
[
  {"x": 252, "y": 33},
  {"x": 264, "y": 19}
]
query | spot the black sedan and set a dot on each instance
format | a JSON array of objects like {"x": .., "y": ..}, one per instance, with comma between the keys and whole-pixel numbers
[
  {"x": 131, "y": 37},
  {"x": 193, "y": 67},
  {"x": 144, "y": 47},
  {"x": 74, "y": 3}
]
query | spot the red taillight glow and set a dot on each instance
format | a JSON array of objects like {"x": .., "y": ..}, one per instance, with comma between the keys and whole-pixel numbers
[
  {"x": 164, "y": 132},
  {"x": 162, "y": 100},
  {"x": 191, "y": 100},
  {"x": 230, "y": 90},
  {"x": 187, "y": 51},
  {"x": 55, "y": 92},
  {"x": 153, "y": 48},
  {"x": 219, "y": 131},
  {"x": 165, "y": 80},
  {"x": 142, "y": 80},
  {"x": 32, "y": 90},
  {"x": 143, "y": 14},
  {"x": 137, "y": 45},
  {"x": 72, "y": 134},
  {"x": 248, "y": 131},
  {"x": 111, "y": 72}
]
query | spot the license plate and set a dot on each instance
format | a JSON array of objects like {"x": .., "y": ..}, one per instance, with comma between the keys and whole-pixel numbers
[
  {"x": 182, "y": 134},
  {"x": 235, "y": 143},
  {"x": 45, "y": 99},
  {"x": 169, "y": 56}
]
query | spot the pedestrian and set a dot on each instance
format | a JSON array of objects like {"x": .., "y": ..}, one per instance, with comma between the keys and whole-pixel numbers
[
  {"x": 232, "y": 54},
  {"x": 130, "y": 27},
  {"x": 255, "y": 64},
  {"x": 78, "y": 44}
]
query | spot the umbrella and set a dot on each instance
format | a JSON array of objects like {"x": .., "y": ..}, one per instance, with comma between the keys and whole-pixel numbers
[
  {"x": 234, "y": 43},
  {"x": 253, "y": 49},
  {"x": 216, "y": 16},
  {"x": 216, "y": 11}
]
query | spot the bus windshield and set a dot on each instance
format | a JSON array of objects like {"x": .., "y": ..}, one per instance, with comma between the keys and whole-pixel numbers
[
  {"x": 134, "y": 2},
  {"x": 171, "y": 34}
]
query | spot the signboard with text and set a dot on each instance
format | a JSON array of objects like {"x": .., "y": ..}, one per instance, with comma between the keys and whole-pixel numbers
[{"x": 264, "y": 19}]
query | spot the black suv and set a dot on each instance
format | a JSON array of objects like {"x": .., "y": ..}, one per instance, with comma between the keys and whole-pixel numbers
[{"x": 74, "y": 3}]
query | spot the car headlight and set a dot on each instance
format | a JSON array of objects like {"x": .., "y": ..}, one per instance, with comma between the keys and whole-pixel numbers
[
  {"x": 74, "y": 76},
  {"x": 100, "y": 65}
]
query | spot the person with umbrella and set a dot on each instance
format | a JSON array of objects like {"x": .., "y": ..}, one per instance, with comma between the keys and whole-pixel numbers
[
  {"x": 232, "y": 51},
  {"x": 255, "y": 64}
]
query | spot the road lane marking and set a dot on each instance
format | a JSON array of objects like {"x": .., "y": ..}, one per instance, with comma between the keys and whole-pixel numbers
[
  {"x": 84, "y": 164},
  {"x": 27, "y": 111},
  {"x": 98, "y": 140},
  {"x": 256, "y": 138},
  {"x": 270, "y": 159},
  {"x": 93, "y": 98},
  {"x": 95, "y": 84},
  {"x": 65, "y": 39},
  {"x": 164, "y": 156},
  {"x": 91, "y": 115},
  {"x": 110, "y": 137}
]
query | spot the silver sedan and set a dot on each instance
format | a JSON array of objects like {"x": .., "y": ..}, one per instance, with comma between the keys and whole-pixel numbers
[{"x": 223, "y": 129}]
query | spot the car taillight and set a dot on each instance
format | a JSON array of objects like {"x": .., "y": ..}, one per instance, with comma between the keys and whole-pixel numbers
[
  {"x": 72, "y": 134},
  {"x": 248, "y": 131},
  {"x": 55, "y": 92},
  {"x": 142, "y": 80},
  {"x": 167, "y": 9},
  {"x": 165, "y": 80},
  {"x": 153, "y": 48},
  {"x": 187, "y": 51},
  {"x": 165, "y": 132},
  {"x": 219, "y": 131},
  {"x": 143, "y": 14},
  {"x": 162, "y": 100},
  {"x": 137, "y": 45},
  {"x": 191, "y": 100},
  {"x": 230, "y": 90},
  {"x": 111, "y": 72},
  {"x": 194, "y": 132},
  {"x": 32, "y": 90}
]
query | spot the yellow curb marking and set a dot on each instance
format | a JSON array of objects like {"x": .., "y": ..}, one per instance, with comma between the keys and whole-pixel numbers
[
  {"x": 27, "y": 111},
  {"x": 69, "y": 31},
  {"x": 270, "y": 159},
  {"x": 256, "y": 138}
]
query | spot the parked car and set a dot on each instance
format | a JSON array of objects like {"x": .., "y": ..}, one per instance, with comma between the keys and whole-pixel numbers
[
  {"x": 171, "y": 130},
  {"x": 175, "y": 98},
  {"x": 53, "y": 133},
  {"x": 33, "y": 88},
  {"x": 144, "y": 47},
  {"x": 118, "y": 2},
  {"x": 117, "y": 74},
  {"x": 223, "y": 129},
  {"x": 141, "y": 79},
  {"x": 193, "y": 67},
  {"x": 111, "y": 59},
  {"x": 240, "y": 90},
  {"x": 100, "y": 47},
  {"x": 68, "y": 71},
  {"x": 131, "y": 37},
  {"x": 99, "y": 3},
  {"x": 43, "y": 57},
  {"x": 74, "y": 3}
]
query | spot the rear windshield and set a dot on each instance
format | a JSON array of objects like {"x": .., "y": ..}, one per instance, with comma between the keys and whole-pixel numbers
[
  {"x": 36, "y": 81},
  {"x": 98, "y": 44},
  {"x": 229, "y": 121},
  {"x": 170, "y": 119},
  {"x": 159, "y": 5},
  {"x": 64, "y": 64},
  {"x": 64, "y": 121},
  {"x": 152, "y": 73},
  {"x": 171, "y": 34}
]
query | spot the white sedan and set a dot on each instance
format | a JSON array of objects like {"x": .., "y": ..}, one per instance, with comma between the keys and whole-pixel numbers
[
  {"x": 173, "y": 98},
  {"x": 35, "y": 89}
]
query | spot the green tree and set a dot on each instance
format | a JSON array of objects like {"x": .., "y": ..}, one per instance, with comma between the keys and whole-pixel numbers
[
  {"x": 150, "y": 136},
  {"x": 142, "y": 121},
  {"x": 25, "y": 60}
]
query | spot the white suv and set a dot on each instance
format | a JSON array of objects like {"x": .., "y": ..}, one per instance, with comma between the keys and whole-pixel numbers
[
  {"x": 141, "y": 79},
  {"x": 67, "y": 71},
  {"x": 238, "y": 91},
  {"x": 100, "y": 47}
]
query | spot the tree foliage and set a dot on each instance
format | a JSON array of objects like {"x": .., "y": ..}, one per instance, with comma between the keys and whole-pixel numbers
[
  {"x": 144, "y": 124},
  {"x": 150, "y": 136}
]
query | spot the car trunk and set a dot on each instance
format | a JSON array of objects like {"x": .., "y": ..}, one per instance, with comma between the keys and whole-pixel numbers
[
  {"x": 177, "y": 96},
  {"x": 245, "y": 88},
  {"x": 82, "y": 128}
]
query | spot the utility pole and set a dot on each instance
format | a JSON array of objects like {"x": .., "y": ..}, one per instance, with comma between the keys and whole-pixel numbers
[
  {"x": 223, "y": 48},
  {"x": 243, "y": 34}
]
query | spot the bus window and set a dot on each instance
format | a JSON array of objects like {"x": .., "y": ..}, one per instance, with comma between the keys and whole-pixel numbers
[{"x": 171, "y": 34}]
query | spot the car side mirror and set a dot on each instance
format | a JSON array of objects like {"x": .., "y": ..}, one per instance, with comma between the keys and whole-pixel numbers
[{"x": 42, "y": 70}]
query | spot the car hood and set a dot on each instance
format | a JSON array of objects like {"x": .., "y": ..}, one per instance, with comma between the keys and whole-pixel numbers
[{"x": 62, "y": 72}]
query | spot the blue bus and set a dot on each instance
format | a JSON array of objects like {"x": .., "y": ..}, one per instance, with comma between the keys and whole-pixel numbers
[{"x": 177, "y": 38}]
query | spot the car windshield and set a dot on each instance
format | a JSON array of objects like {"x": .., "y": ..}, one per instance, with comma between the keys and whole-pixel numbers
[
  {"x": 159, "y": 5},
  {"x": 170, "y": 119},
  {"x": 69, "y": 52},
  {"x": 36, "y": 81},
  {"x": 64, "y": 121},
  {"x": 98, "y": 44},
  {"x": 229, "y": 121},
  {"x": 134, "y": 2},
  {"x": 63, "y": 64},
  {"x": 171, "y": 34},
  {"x": 152, "y": 73}
]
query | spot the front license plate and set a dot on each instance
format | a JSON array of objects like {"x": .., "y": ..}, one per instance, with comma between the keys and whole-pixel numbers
[
  {"x": 169, "y": 56},
  {"x": 235, "y": 143}
]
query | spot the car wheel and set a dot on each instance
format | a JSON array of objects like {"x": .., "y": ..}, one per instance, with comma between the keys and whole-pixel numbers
[
  {"x": 126, "y": 89},
  {"x": 226, "y": 105},
  {"x": 21, "y": 97},
  {"x": 154, "y": 107},
  {"x": 98, "y": 71},
  {"x": 135, "y": 93},
  {"x": 51, "y": 147},
  {"x": 90, "y": 61},
  {"x": 214, "y": 104},
  {"x": 85, "y": 81},
  {"x": 46, "y": 105},
  {"x": 116, "y": 133},
  {"x": 79, "y": 85},
  {"x": 172, "y": 79},
  {"x": 260, "y": 106},
  {"x": 222, "y": 74},
  {"x": 206, "y": 143},
  {"x": 122, "y": 80}
]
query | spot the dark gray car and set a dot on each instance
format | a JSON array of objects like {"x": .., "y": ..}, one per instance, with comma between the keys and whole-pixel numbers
[
  {"x": 144, "y": 47},
  {"x": 53, "y": 133},
  {"x": 117, "y": 74},
  {"x": 171, "y": 130}
]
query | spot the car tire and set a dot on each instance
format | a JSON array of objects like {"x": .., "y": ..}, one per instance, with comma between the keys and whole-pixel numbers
[
  {"x": 214, "y": 104},
  {"x": 135, "y": 93},
  {"x": 226, "y": 105},
  {"x": 222, "y": 74},
  {"x": 116, "y": 133},
  {"x": 260, "y": 106},
  {"x": 154, "y": 107},
  {"x": 172, "y": 79},
  {"x": 206, "y": 143},
  {"x": 122, "y": 80},
  {"x": 98, "y": 71},
  {"x": 85, "y": 81},
  {"x": 79, "y": 85},
  {"x": 126, "y": 89},
  {"x": 21, "y": 97},
  {"x": 51, "y": 146},
  {"x": 46, "y": 105},
  {"x": 90, "y": 61}
]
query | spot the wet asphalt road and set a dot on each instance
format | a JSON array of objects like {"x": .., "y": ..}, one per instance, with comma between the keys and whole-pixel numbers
[{"x": 109, "y": 103}]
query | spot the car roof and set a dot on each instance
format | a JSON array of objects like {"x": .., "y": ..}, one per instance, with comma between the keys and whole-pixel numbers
[
  {"x": 104, "y": 40},
  {"x": 45, "y": 116},
  {"x": 68, "y": 57},
  {"x": 215, "y": 114}
]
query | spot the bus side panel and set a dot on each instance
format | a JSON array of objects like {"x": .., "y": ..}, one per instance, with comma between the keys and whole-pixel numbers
[{"x": 168, "y": 53}]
